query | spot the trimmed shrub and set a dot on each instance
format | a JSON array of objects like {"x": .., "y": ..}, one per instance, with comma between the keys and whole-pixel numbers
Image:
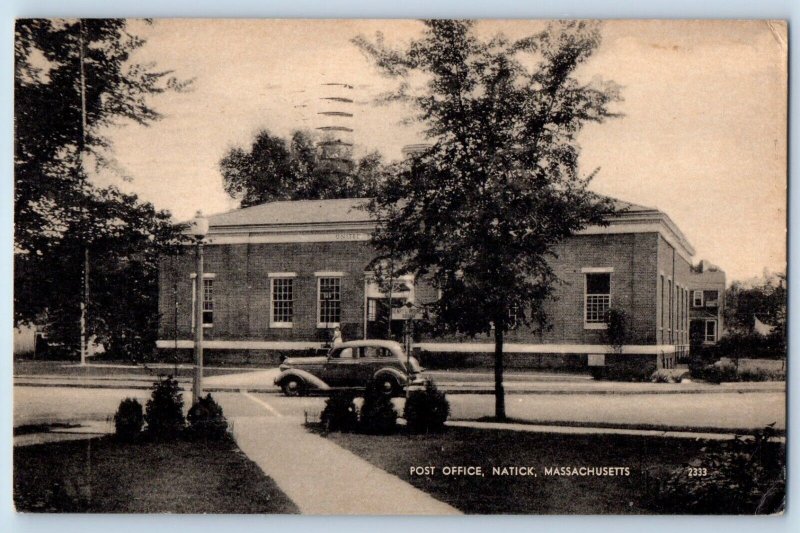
[
  {"x": 164, "y": 413},
  {"x": 206, "y": 420},
  {"x": 340, "y": 413},
  {"x": 129, "y": 419},
  {"x": 717, "y": 373},
  {"x": 426, "y": 410},
  {"x": 378, "y": 415},
  {"x": 616, "y": 332},
  {"x": 761, "y": 374},
  {"x": 743, "y": 346}
]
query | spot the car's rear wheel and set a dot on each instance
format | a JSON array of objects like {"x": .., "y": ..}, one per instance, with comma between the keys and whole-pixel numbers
[
  {"x": 293, "y": 387},
  {"x": 388, "y": 385}
]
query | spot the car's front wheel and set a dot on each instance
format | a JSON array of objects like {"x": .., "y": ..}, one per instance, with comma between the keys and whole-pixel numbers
[
  {"x": 293, "y": 387},
  {"x": 388, "y": 385}
]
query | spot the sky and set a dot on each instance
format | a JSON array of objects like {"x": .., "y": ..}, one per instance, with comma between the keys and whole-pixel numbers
[{"x": 703, "y": 136}]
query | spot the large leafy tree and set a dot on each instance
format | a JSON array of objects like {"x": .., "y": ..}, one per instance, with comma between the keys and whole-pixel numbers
[
  {"x": 74, "y": 79},
  {"x": 763, "y": 298},
  {"x": 480, "y": 211},
  {"x": 303, "y": 168}
]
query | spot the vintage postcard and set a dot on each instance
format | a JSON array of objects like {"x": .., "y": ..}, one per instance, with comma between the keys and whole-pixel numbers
[{"x": 400, "y": 267}]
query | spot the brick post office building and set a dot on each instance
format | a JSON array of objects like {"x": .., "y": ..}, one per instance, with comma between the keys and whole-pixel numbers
[{"x": 279, "y": 276}]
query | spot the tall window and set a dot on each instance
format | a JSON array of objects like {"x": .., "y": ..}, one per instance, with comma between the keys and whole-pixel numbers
[
  {"x": 208, "y": 300},
  {"x": 329, "y": 301},
  {"x": 282, "y": 302},
  {"x": 660, "y": 292},
  {"x": 597, "y": 299},
  {"x": 668, "y": 305}
]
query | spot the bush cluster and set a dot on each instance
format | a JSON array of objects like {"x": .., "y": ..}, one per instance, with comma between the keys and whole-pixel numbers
[
  {"x": 164, "y": 416},
  {"x": 761, "y": 374},
  {"x": 206, "y": 420},
  {"x": 378, "y": 416},
  {"x": 340, "y": 413},
  {"x": 426, "y": 410},
  {"x": 164, "y": 413},
  {"x": 744, "y": 345},
  {"x": 128, "y": 420},
  {"x": 716, "y": 373}
]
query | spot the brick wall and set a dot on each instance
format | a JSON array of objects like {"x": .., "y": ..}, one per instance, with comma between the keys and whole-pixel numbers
[
  {"x": 672, "y": 326},
  {"x": 242, "y": 288}
]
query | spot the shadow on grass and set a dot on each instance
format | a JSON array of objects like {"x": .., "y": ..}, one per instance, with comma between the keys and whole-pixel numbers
[{"x": 103, "y": 475}]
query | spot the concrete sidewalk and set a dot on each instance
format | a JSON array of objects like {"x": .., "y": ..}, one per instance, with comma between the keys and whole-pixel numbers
[{"x": 320, "y": 477}]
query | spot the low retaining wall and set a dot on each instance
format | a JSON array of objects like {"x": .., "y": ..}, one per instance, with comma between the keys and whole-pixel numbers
[
  {"x": 529, "y": 361},
  {"x": 622, "y": 364},
  {"x": 216, "y": 357}
]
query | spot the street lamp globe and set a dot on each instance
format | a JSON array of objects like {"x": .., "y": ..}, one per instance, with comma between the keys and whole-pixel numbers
[{"x": 199, "y": 226}]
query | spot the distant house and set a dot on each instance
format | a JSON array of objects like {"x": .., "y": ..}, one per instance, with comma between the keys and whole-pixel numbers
[{"x": 707, "y": 283}]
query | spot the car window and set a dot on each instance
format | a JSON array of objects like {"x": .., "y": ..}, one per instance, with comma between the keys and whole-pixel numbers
[
  {"x": 376, "y": 351},
  {"x": 344, "y": 353}
]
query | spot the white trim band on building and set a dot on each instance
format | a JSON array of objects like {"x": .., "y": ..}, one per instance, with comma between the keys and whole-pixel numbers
[
  {"x": 240, "y": 345},
  {"x": 488, "y": 347},
  {"x": 455, "y": 347}
]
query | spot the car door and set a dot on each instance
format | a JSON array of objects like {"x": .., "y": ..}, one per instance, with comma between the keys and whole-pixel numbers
[
  {"x": 373, "y": 359},
  {"x": 341, "y": 367}
]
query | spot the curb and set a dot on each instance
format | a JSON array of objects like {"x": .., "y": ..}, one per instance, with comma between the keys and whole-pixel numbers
[
  {"x": 459, "y": 390},
  {"x": 705, "y": 434}
]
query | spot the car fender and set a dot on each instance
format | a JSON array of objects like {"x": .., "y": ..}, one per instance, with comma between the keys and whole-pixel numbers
[
  {"x": 397, "y": 374},
  {"x": 307, "y": 377}
]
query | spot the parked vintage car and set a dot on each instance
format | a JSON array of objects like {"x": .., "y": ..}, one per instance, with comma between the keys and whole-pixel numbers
[{"x": 351, "y": 365}]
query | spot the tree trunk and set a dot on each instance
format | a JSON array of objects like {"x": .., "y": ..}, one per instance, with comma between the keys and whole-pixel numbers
[{"x": 499, "y": 391}]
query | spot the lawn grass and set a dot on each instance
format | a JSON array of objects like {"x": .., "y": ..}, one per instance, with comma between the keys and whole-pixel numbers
[
  {"x": 103, "y": 475},
  {"x": 648, "y": 458}
]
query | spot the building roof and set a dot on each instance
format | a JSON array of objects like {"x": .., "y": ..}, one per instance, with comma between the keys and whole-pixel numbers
[
  {"x": 345, "y": 214},
  {"x": 622, "y": 205},
  {"x": 329, "y": 211},
  {"x": 295, "y": 212}
]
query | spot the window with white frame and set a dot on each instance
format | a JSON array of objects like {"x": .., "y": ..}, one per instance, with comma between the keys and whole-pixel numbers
[
  {"x": 660, "y": 312},
  {"x": 711, "y": 298},
  {"x": 597, "y": 298},
  {"x": 697, "y": 298},
  {"x": 668, "y": 304},
  {"x": 282, "y": 310},
  {"x": 208, "y": 299},
  {"x": 711, "y": 331},
  {"x": 329, "y": 298}
]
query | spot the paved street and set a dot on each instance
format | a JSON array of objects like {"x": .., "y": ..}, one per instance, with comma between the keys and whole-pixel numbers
[{"x": 721, "y": 410}]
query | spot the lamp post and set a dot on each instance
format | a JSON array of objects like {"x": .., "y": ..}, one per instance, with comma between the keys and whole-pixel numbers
[{"x": 198, "y": 230}]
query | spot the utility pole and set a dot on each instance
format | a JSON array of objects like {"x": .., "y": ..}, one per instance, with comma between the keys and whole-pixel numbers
[
  {"x": 199, "y": 230},
  {"x": 197, "y": 382},
  {"x": 81, "y": 150}
]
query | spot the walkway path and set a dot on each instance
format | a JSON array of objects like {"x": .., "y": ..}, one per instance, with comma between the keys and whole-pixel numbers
[{"x": 323, "y": 478}]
